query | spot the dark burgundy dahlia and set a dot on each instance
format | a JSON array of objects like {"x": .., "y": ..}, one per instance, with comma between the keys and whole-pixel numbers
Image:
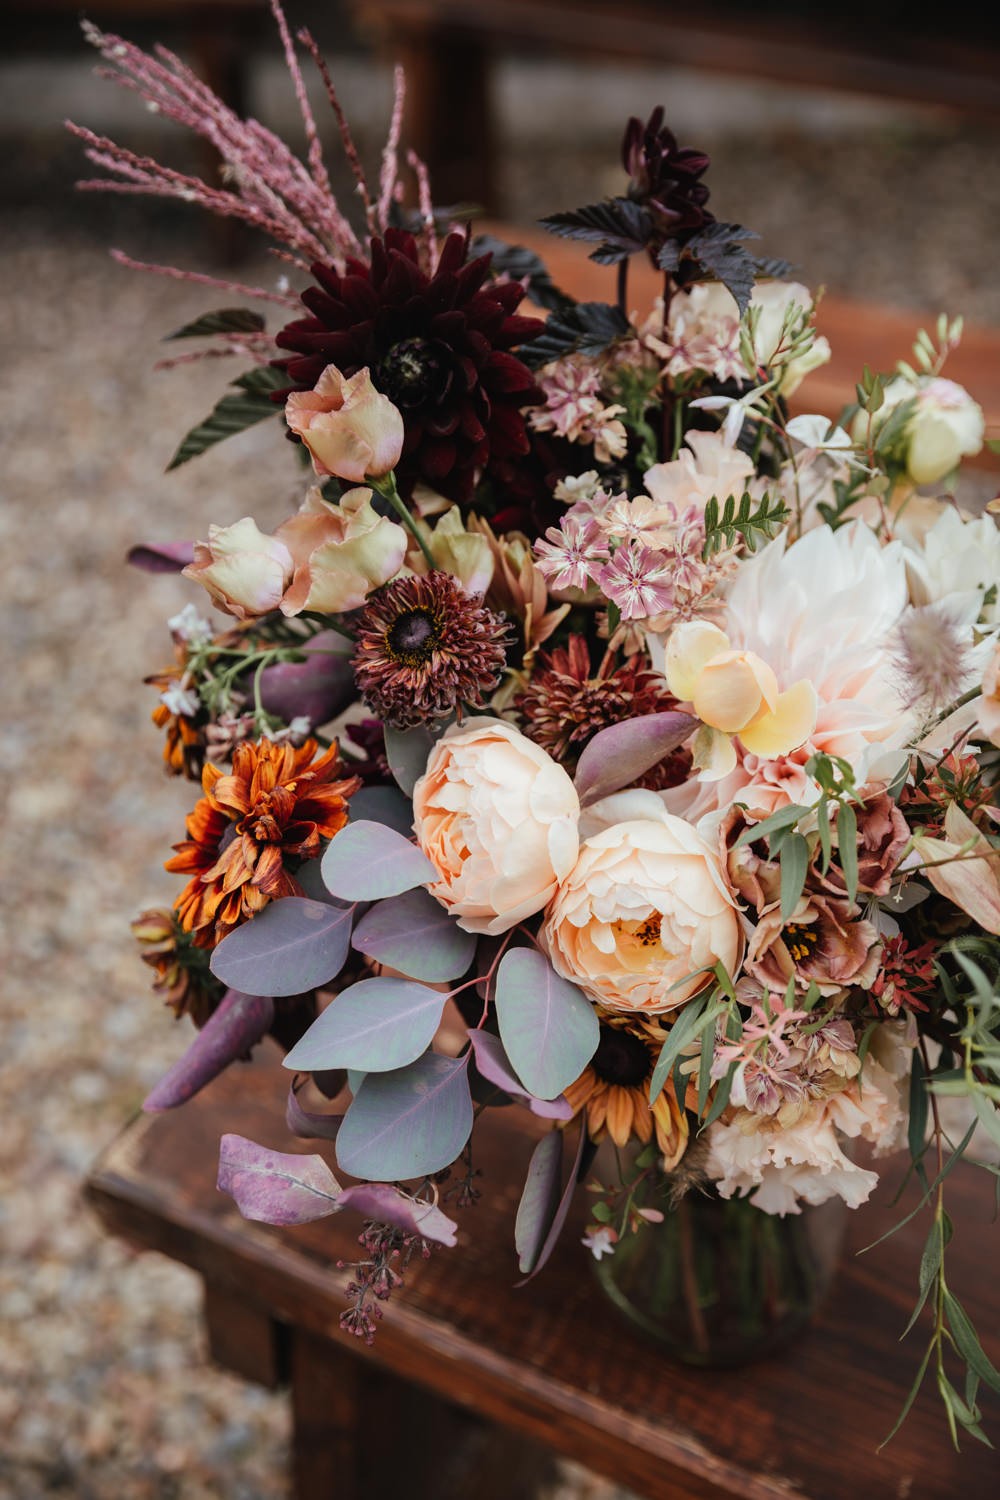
[
  {"x": 666, "y": 177},
  {"x": 437, "y": 345}
]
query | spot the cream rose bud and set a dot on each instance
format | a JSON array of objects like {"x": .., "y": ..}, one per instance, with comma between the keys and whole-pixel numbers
[
  {"x": 497, "y": 818},
  {"x": 349, "y": 427},
  {"x": 945, "y": 427},
  {"x": 245, "y": 570},
  {"x": 643, "y": 914},
  {"x": 339, "y": 552}
]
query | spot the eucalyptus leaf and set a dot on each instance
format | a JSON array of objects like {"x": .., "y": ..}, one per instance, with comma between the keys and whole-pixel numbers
[
  {"x": 794, "y": 868},
  {"x": 539, "y": 1200},
  {"x": 408, "y": 1123},
  {"x": 549, "y": 1029},
  {"x": 367, "y": 861},
  {"x": 389, "y": 1205},
  {"x": 376, "y": 1025},
  {"x": 407, "y": 752},
  {"x": 493, "y": 1064},
  {"x": 383, "y": 804},
  {"x": 557, "y": 1219},
  {"x": 414, "y": 934},
  {"x": 290, "y": 947},
  {"x": 275, "y": 1187}
]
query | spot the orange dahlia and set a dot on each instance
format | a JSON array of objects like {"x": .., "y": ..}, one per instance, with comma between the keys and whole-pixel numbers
[
  {"x": 277, "y": 805},
  {"x": 613, "y": 1094}
]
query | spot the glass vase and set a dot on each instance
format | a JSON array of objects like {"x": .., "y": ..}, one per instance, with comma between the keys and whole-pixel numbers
[{"x": 722, "y": 1283}]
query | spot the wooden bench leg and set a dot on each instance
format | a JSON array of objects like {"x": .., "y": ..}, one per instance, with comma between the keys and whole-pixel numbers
[{"x": 244, "y": 1338}]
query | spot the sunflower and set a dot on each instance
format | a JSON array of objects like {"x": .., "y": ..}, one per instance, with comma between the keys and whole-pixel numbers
[
  {"x": 613, "y": 1094},
  {"x": 277, "y": 804},
  {"x": 437, "y": 345}
]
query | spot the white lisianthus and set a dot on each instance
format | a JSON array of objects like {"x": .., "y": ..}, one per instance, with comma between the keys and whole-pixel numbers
[
  {"x": 957, "y": 562},
  {"x": 945, "y": 426},
  {"x": 497, "y": 818}
]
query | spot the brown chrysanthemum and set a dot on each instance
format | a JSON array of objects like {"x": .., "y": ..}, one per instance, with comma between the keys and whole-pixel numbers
[
  {"x": 424, "y": 648},
  {"x": 437, "y": 345},
  {"x": 613, "y": 1094},
  {"x": 566, "y": 704},
  {"x": 278, "y": 803},
  {"x": 183, "y": 977}
]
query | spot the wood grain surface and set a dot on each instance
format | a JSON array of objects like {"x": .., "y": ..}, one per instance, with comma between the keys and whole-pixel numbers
[{"x": 554, "y": 1360}]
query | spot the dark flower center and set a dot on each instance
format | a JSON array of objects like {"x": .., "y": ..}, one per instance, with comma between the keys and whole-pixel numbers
[
  {"x": 412, "y": 638},
  {"x": 413, "y": 372},
  {"x": 800, "y": 941},
  {"x": 620, "y": 1058}
]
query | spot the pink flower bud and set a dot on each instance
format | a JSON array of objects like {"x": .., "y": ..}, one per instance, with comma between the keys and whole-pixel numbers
[{"x": 349, "y": 427}]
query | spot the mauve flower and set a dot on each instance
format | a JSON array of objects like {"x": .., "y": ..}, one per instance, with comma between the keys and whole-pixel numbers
[
  {"x": 645, "y": 913},
  {"x": 823, "y": 942},
  {"x": 497, "y": 818},
  {"x": 350, "y": 428},
  {"x": 245, "y": 570},
  {"x": 339, "y": 552}
]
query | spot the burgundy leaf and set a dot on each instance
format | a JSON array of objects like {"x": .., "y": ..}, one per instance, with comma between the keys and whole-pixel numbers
[
  {"x": 274, "y": 1187},
  {"x": 161, "y": 557},
  {"x": 237, "y": 1025},
  {"x": 619, "y": 755},
  {"x": 377, "y": 1200},
  {"x": 307, "y": 1125}
]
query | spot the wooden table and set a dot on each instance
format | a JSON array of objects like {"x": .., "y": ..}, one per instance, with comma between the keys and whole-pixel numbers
[{"x": 553, "y": 1362}]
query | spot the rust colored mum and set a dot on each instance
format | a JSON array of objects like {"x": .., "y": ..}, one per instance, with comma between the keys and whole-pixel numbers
[
  {"x": 276, "y": 806},
  {"x": 437, "y": 345},
  {"x": 566, "y": 704},
  {"x": 424, "y": 648},
  {"x": 183, "y": 977}
]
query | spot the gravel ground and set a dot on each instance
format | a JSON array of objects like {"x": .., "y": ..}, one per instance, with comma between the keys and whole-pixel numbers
[{"x": 104, "y": 1386}]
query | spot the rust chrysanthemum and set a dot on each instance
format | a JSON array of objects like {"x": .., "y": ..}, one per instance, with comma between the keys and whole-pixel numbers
[
  {"x": 425, "y": 647},
  {"x": 612, "y": 1092},
  {"x": 437, "y": 345},
  {"x": 273, "y": 809},
  {"x": 183, "y": 977},
  {"x": 567, "y": 703}
]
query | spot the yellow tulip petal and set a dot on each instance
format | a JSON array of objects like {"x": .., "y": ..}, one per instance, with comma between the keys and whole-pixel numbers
[
  {"x": 783, "y": 729},
  {"x": 714, "y": 754},
  {"x": 689, "y": 648},
  {"x": 733, "y": 689}
]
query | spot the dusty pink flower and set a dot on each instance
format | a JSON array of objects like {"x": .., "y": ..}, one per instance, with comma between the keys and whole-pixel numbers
[
  {"x": 245, "y": 570},
  {"x": 572, "y": 554},
  {"x": 340, "y": 552},
  {"x": 638, "y": 580},
  {"x": 824, "y": 942},
  {"x": 350, "y": 428},
  {"x": 576, "y": 410}
]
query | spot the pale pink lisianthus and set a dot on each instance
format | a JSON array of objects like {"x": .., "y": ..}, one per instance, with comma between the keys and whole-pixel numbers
[
  {"x": 339, "y": 552},
  {"x": 645, "y": 913},
  {"x": 244, "y": 570},
  {"x": 497, "y": 818},
  {"x": 350, "y": 428}
]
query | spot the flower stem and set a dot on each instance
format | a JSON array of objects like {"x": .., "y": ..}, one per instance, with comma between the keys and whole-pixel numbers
[{"x": 387, "y": 489}]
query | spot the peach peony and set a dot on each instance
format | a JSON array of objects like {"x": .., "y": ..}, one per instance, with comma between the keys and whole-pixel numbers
[
  {"x": 497, "y": 818},
  {"x": 349, "y": 427},
  {"x": 644, "y": 913}
]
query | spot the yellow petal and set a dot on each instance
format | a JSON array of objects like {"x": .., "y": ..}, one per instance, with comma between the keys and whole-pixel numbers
[
  {"x": 733, "y": 688},
  {"x": 714, "y": 754},
  {"x": 690, "y": 647},
  {"x": 792, "y": 721}
]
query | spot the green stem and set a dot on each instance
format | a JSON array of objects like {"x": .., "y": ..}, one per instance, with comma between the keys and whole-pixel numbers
[{"x": 387, "y": 489}]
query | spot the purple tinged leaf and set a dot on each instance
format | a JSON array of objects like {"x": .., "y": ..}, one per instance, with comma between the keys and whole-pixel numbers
[
  {"x": 558, "y": 1219},
  {"x": 619, "y": 755},
  {"x": 414, "y": 933},
  {"x": 274, "y": 1187},
  {"x": 407, "y": 752},
  {"x": 367, "y": 861},
  {"x": 307, "y": 1125},
  {"x": 539, "y": 1200},
  {"x": 161, "y": 557},
  {"x": 408, "y": 1123},
  {"x": 376, "y": 1025},
  {"x": 290, "y": 947},
  {"x": 237, "y": 1024},
  {"x": 377, "y": 1200},
  {"x": 549, "y": 1029},
  {"x": 383, "y": 804},
  {"x": 318, "y": 688},
  {"x": 493, "y": 1064},
  {"x": 309, "y": 877}
]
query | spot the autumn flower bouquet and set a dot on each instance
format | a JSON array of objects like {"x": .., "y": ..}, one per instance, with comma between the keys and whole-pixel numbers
[{"x": 594, "y": 736}]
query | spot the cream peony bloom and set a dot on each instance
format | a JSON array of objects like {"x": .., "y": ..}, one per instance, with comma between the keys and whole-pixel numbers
[
  {"x": 349, "y": 427},
  {"x": 988, "y": 706},
  {"x": 497, "y": 817},
  {"x": 245, "y": 570},
  {"x": 644, "y": 912},
  {"x": 945, "y": 426},
  {"x": 340, "y": 552}
]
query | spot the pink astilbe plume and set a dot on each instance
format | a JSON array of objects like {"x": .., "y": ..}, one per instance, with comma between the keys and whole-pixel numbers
[{"x": 265, "y": 185}]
